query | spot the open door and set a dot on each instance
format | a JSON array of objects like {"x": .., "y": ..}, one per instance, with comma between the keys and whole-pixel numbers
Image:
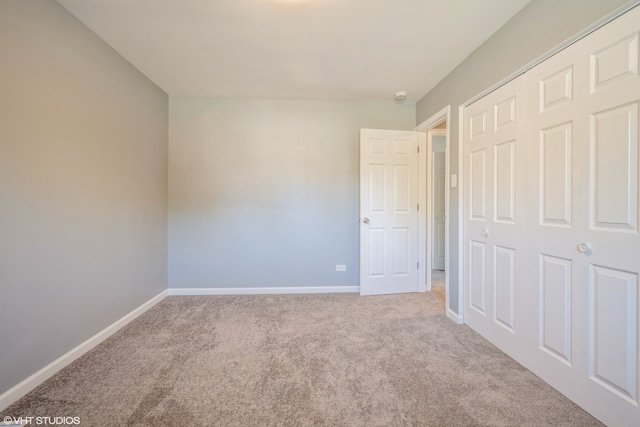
[{"x": 389, "y": 211}]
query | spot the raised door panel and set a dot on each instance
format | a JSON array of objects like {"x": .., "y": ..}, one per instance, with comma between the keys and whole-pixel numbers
[
  {"x": 401, "y": 251},
  {"x": 401, "y": 188},
  {"x": 556, "y": 288},
  {"x": 377, "y": 146},
  {"x": 615, "y": 62},
  {"x": 477, "y": 125},
  {"x": 556, "y": 89},
  {"x": 505, "y": 182},
  {"x": 505, "y": 113},
  {"x": 477, "y": 275},
  {"x": 556, "y": 180},
  {"x": 376, "y": 252},
  {"x": 613, "y": 331},
  {"x": 504, "y": 287},
  {"x": 478, "y": 184},
  {"x": 614, "y": 168},
  {"x": 377, "y": 188}
]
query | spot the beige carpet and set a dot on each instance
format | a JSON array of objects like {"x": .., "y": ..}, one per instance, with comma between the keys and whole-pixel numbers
[{"x": 299, "y": 360}]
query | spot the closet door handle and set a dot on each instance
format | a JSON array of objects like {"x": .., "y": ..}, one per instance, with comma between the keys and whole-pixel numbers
[{"x": 584, "y": 248}]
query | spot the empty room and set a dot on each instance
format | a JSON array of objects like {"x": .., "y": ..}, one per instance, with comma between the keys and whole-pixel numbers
[{"x": 320, "y": 212}]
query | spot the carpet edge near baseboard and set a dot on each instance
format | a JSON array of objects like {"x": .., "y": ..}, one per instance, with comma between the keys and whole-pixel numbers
[
  {"x": 25, "y": 386},
  {"x": 264, "y": 290}
]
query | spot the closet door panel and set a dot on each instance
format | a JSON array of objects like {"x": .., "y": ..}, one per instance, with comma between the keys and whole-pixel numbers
[
  {"x": 494, "y": 212},
  {"x": 610, "y": 251},
  {"x": 553, "y": 230}
]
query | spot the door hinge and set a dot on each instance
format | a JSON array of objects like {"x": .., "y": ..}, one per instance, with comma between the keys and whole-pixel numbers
[
  {"x": 418, "y": 208},
  {"x": 418, "y": 266},
  {"x": 418, "y": 149}
]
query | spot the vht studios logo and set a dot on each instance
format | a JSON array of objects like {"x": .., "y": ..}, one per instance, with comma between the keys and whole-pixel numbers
[{"x": 41, "y": 421}]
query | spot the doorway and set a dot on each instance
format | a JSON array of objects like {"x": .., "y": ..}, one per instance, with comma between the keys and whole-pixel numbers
[
  {"x": 435, "y": 176},
  {"x": 437, "y": 216}
]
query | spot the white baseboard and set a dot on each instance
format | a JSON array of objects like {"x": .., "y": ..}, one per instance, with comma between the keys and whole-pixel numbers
[
  {"x": 263, "y": 291},
  {"x": 24, "y": 387},
  {"x": 454, "y": 316}
]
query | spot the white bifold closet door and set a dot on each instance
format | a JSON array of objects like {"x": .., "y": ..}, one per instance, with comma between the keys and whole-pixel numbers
[
  {"x": 576, "y": 291},
  {"x": 494, "y": 216},
  {"x": 583, "y": 220}
]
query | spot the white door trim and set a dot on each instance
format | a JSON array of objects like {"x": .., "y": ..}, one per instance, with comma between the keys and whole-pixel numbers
[
  {"x": 424, "y": 228},
  {"x": 461, "y": 189},
  {"x": 424, "y": 195}
]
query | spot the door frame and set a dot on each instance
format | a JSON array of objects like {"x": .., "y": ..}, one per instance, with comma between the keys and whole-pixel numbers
[{"x": 425, "y": 173}]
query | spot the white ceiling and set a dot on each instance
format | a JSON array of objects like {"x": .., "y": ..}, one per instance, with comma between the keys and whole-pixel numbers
[{"x": 303, "y": 49}]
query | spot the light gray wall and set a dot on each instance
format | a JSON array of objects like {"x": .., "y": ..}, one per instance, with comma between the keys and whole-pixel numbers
[
  {"x": 83, "y": 186},
  {"x": 538, "y": 28},
  {"x": 439, "y": 144},
  {"x": 265, "y": 193}
]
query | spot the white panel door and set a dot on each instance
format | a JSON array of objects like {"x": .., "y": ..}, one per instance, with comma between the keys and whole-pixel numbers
[
  {"x": 555, "y": 221},
  {"x": 438, "y": 168},
  {"x": 495, "y": 225},
  {"x": 609, "y": 260},
  {"x": 388, "y": 211}
]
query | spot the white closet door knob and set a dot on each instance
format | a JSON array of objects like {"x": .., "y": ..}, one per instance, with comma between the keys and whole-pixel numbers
[
  {"x": 583, "y": 248},
  {"x": 484, "y": 233}
]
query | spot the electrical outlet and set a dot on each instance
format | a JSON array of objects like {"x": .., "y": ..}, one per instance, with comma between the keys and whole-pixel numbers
[{"x": 341, "y": 267}]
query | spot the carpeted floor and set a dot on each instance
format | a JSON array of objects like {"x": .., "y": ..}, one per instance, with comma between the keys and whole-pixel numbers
[{"x": 299, "y": 360}]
